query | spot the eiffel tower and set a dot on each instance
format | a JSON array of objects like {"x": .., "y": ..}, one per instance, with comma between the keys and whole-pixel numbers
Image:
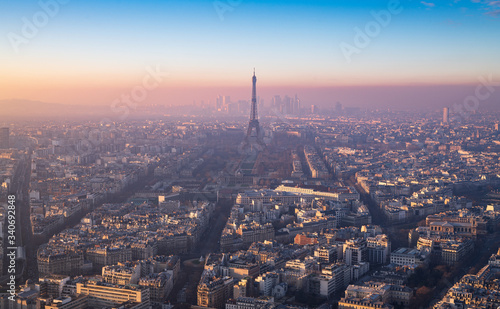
[{"x": 253, "y": 140}]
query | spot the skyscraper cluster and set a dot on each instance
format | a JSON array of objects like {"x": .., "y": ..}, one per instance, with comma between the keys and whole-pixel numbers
[{"x": 286, "y": 105}]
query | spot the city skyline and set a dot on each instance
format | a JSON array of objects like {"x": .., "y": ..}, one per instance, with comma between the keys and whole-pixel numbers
[{"x": 232, "y": 154}]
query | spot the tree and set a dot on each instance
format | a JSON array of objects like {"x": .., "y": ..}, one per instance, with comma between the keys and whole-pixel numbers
[{"x": 423, "y": 296}]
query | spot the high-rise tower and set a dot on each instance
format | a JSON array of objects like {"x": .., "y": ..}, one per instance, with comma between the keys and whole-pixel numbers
[
  {"x": 4, "y": 138},
  {"x": 253, "y": 139},
  {"x": 253, "y": 113},
  {"x": 446, "y": 115}
]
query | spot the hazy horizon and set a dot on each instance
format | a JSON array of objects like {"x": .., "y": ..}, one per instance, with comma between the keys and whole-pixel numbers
[
  {"x": 374, "y": 54},
  {"x": 394, "y": 97}
]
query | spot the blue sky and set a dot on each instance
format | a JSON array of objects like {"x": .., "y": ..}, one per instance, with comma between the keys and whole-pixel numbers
[{"x": 107, "y": 44}]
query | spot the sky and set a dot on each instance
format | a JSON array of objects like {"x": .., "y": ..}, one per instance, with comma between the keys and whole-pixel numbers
[{"x": 92, "y": 52}]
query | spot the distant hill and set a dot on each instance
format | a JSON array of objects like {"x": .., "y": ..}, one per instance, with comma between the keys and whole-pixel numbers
[{"x": 27, "y": 109}]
